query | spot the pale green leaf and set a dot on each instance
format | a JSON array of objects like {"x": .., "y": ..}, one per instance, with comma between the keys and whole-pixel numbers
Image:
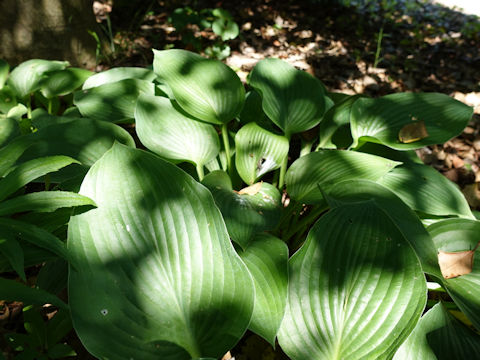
[
  {"x": 26, "y": 77},
  {"x": 293, "y": 99},
  {"x": 438, "y": 335},
  {"x": 455, "y": 235},
  {"x": 267, "y": 259},
  {"x": 117, "y": 74},
  {"x": 405, "y": 219},
  {"x": 327, "y": 167},
  {"x": 172, "y": 134},
  {"x": 426, "y": 190},
  {"x": 113, "y": 102},
  {"x": 31, "y": 170},
  {"x": 171, "y": 283},
  {"x": 381, "y": 120},
  {"x": 43, "y": 201},
  {"x": 258, "y": 151},
  {"x": 63, "y": 82},
  {"x": 207, "y": 89},
  {"x": 356, "y": 288}
]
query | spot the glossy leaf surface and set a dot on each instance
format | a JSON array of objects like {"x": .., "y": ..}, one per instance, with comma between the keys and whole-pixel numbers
[
  {"x": 172, "y": 285},
  {"x": 267, "y": 259},
  {"x": 440, "y": 336},
  {"x": 113, "y": 102},
  {"x": 356, "y": 288},
  {"x": 425, "y": 189},
  {"x": 381, "y": 120},
  {"x": 258, "y": 151},
  {"x": 26, "y": 77},
  {"x": 454, "y": 235},
  {"x": 293, "y": 99},
  {"x": 172, "y": 134},
  {"x": 207, "y": 89},
  {"x": 245, "y": 214},
  {"x": 117, "y": 74},
  {"x": 324, "y": 168}
]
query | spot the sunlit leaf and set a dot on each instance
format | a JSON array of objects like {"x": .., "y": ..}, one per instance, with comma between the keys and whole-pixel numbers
[
  {"x": 207, "y": 89},
  {"x": 63, "y": 82},
  {"x": 438, "y": 335},
  {"x": 426, "y": 190},
  {"x": 172, "y": 134},
  {"x": 293, "y": 99},
  {"x": 258, "y": 151},
  {"x": 384, "y": 120},
  {"x": 245, "y": 215},
  {"x": 113, "y": 102},
  {"x": 266, "y": 257},
  {"x": 26, "y": 77},
  {"x": 325, "y": 168},
  {"x": 356, "y": 288},
  {"x": 457, "y": 235},
  {"x": 171, "y": 283},
  {"x": 117, "y": 74}
]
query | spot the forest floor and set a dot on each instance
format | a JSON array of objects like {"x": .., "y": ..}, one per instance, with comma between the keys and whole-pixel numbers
[{"x": 414, "y": 45}]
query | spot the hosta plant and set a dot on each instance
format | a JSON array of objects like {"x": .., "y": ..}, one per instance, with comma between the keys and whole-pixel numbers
[{"x": 276, "y": 207}]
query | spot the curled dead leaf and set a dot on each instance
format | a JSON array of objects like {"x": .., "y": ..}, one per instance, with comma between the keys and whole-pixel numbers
[
  {"x": 453, "y": 264},
  {"x": 412, "y": 132},
  {"x": 251, "y": 190}
]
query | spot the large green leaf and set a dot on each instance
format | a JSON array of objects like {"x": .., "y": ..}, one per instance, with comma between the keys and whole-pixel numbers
[
  {"x": 381, "y": 120},
  {"x": 206, "y": 89},
  {"x": 455, "y": 235},
  {"x": 245, "y": 214},
  {"x": 426, "y": 190},
  {"x": 171, "y": 283},
  {"x": 172, "y": 134},
  {"x": 113, "y": 102},
  {"x": 438, "y": 336},
  {"x": 7, "y": 99},
  {"x": 356, "y": 288},
  {"x": 406, "y": 221},
  {"x": 43, "y": 201},
  {"x": 9, "y": 130},
  {"x": 327, "y": 167},
  {"x": 258, "y": 151},
  {"x": 267, "y": 259},
  {"x": 117, "y": 74},
  {"x": 27, "y": 77},
  {"x": 63, "y": 82},
  {"x": 11, "y": 290},
  {"x": 31, "y": 170},
  {"x": 293, "y": 99}
]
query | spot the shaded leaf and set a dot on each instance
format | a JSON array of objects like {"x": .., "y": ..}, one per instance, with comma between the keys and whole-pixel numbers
[
  {"x": 267, "y": 260},
  {"x": 11, "y": 249},
  {"x": 172, "y": 134},
  {"x": 113, "y": 102},
  {"x": 63, "y": 82},
  {"x": 439, "y": 336},
  {"x": 381, "y": 120},
  {"x": 293, "y": 99},
  {"x": 117, "y": 74},
  {"x": 327, "y": 167},
  {"x": 258, "y": 151},
  {"x": 358, "y": 286},
  {"x": 4, "y": 69},
  {"x": 172, "y": 286},
  {"x": 11, "y": 290},
  {"x": 207, "y": 89}
]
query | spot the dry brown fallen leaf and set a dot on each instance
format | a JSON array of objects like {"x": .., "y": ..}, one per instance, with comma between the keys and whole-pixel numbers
[
  {"x": 413, "y": 132},
  {"x": 453, "y": 264},
  {"x": 251, "y": 190}
]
